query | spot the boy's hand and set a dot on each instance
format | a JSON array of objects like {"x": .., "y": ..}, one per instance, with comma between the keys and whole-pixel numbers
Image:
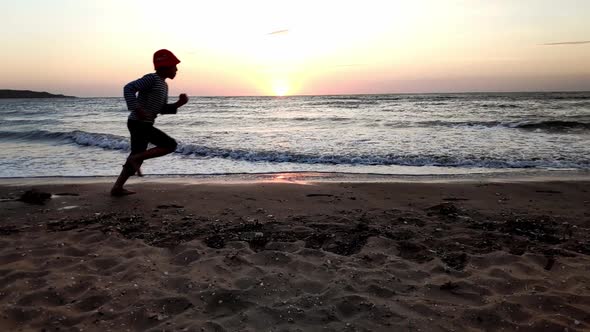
[{"x": 182, "y": 99}]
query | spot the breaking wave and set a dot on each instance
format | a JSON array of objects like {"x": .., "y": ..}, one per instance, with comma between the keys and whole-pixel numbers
[{"x": 114, "y": 142}]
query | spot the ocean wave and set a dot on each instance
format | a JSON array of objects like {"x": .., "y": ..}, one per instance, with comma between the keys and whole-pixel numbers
[
  {"x": 427, "y": 97},
  {"x": 114, "y": 142},
  {"x": 570, "y": 96},
  {"x": 344, "y": 104},
  {"x": 554, "y": 125},
  {"x": 387, "y": 98},
  {"x": 219, "y": 105},
  {"x": 16, "y": 122},
  {"x": 580, "y": 104},
  {"x": 500, "y": 106},
  {"x": 485, "y": 124},
  {"x": 376, "y": 160},
  {"x": 330, "y": 119},
  {"x": 79, "y": 137}
]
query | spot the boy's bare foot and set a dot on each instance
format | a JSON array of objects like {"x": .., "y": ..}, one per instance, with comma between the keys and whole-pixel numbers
[
  {"x": 139, "y": 173},
  {"x": 121, "y": 192}
]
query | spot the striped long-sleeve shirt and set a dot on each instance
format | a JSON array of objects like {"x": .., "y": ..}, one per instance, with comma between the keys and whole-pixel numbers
[{"x": 151, "y": 93}]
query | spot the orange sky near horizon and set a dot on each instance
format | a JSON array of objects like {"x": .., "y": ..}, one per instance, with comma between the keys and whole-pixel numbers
[{"x": 232, "y": 48}]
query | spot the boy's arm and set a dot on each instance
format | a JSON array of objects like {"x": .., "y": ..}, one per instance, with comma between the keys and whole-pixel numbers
[
  {"x": 132, "y": 88},
  {"x": 172, "y": 108}
]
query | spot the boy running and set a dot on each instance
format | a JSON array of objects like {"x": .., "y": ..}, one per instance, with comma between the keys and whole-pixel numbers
[{"x": 146, "y": 98}]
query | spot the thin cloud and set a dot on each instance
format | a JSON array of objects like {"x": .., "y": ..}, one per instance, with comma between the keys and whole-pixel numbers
[
  {"x": 569, "y": 43},
  {"x": 279, "y": 32}
]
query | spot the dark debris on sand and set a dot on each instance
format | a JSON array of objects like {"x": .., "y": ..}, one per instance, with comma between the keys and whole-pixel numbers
[
  {"x": 444, "y": 232},
  {"x": 35, "y": 196}
]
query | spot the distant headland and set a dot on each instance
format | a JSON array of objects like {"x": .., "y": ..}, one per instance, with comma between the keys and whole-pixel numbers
[{"x": 29, "y": 94}]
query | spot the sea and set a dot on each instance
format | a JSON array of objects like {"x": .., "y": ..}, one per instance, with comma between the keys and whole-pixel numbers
[{"x": 389, "y": 134}]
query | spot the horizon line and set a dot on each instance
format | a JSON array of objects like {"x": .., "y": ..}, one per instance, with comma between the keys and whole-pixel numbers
[{"x": 370, "y": 94}]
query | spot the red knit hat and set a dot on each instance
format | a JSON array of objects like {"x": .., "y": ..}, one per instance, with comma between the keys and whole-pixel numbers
[{"x": 165, "y": 58}]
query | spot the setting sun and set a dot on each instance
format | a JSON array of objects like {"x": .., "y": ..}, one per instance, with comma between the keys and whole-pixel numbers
[{"x": 280, "y": 89}]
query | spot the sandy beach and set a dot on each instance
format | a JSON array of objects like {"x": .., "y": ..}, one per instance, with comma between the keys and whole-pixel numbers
[{"x": 291, "y": 255}]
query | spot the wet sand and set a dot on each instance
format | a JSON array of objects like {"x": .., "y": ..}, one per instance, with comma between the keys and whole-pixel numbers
[{"x": 289, "y": 255}]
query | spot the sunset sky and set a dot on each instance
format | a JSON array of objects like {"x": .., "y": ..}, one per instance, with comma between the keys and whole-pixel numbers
[{"x": 92, "y": 48}]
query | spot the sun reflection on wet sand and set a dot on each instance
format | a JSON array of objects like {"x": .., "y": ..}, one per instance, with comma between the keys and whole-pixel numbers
[{"x": 295, "y": 178}]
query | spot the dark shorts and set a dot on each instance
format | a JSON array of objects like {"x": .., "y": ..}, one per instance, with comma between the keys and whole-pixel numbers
[{"x": 143, "y": 133}]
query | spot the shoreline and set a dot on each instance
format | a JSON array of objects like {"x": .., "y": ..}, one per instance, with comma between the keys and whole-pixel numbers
[{"x": 317, "y": 177}]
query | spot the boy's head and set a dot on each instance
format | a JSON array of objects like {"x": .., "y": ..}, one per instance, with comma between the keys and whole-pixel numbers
[
  {"x": 167, "y": 72},
  {"x": 165, "y": 63}
]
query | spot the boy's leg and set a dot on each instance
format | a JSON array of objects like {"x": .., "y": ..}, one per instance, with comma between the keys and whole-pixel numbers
[
  {"x": 164, "y": 145},
  {"x": 136, "y": 160},
  {"x": 126, "y": 173},
  {"x": 118, "y": 189},
  {"x": 139, "y": 142}
]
